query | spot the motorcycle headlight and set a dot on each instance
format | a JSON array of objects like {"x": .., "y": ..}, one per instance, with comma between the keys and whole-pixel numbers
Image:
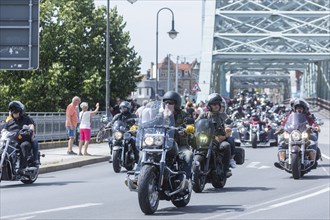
[
  {"x": 203, "y": 138},
  {"x": 266, "y": 129},
  {"x": 242, "y": 130},
  {"x": 254, "y": 129},
  {"x": 118, "y": 135},
  {"x": 305, "y": 135},
  {"x": 286, "y": 135},
  {"x": 296, "y": 135},
  {"x": 153, "y": 140}
]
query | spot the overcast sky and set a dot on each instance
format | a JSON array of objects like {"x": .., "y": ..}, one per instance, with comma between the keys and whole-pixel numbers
[{"x": 141, "y": 20}]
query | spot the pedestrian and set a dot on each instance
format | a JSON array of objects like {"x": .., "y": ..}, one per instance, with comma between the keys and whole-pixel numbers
[
  {"x": 85, "y": 126},
  {"x": 71, "y": 122}
]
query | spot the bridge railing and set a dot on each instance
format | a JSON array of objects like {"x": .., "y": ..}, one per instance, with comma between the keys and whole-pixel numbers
[
  {"x": 322, "y": 103},
  {"x": 50, "y": 126}
]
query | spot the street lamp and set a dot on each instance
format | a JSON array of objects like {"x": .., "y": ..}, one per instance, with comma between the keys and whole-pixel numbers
[
  {"x": 107, "y": 74},
  {"x": 172, "y": 33}
]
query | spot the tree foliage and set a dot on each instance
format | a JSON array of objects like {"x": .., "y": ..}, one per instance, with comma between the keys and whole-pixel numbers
[{"x": 72, "y": 59}]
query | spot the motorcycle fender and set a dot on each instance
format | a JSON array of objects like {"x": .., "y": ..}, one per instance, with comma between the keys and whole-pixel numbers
[
  {"x": 116, "y": 148},
  {"x": 295, "y": 149}
]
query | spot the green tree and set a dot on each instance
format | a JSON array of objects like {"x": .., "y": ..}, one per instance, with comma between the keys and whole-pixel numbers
[{"x": 72, "y": 59}]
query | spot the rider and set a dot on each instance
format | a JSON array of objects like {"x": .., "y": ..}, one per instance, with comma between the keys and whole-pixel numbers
[
  {"x": 124, "y": 116},
  {"x": 213, "y": 105},
  {"x": 300, "y": 106},
  {"x": 15, "y": 122},
  {"x": 173, "y": 102}
]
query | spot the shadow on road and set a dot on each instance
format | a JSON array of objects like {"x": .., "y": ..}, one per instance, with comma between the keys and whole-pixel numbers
[
  {"x": 236, "y": 189},
  {"x": 198, "y": 209},
  {"x": 36, "y": 184}
]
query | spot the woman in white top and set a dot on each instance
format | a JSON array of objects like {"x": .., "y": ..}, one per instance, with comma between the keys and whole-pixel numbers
[{"x": 85, "y": 126}]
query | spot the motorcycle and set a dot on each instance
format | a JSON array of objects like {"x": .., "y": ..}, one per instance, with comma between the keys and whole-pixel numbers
[
  {"x": 105, "y": 130},
  {"x": 123, "y": 142},
  {"x": 162, "y": 176},
  {"x": 297, "y": 136},
  {"x": 11, "y": 160},
  {"x": 250, "y": 132},
  {"x": 207, "y": 165}
]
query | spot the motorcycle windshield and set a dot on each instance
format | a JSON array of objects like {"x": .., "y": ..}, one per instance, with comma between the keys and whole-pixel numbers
[
  {"x": 119, "y": 126},
  {"x": 156, "y": 119},
  {"x": 155, "y": 114},
  {"x": 204, "y": 126},
  {"x": 296, "y": 121}
]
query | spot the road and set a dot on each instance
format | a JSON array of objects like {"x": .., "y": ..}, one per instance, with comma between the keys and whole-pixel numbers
[{"x": 257, "y": 190}]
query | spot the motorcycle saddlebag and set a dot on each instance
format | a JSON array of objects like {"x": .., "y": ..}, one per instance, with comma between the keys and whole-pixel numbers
[{"x": 239, "y": 155}]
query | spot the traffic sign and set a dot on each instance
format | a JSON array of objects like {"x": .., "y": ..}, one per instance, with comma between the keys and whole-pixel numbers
[
  {"x": 195, "y": 87},
  {"x": 19, "y": 34}
]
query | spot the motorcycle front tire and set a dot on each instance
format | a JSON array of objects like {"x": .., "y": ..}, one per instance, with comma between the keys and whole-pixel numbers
[
  {"x": 296, "y": 166},
  {"x": 254, "y": 141},
  {"x": 147, "y": 189},
  {"x": 116, "y": 161}
]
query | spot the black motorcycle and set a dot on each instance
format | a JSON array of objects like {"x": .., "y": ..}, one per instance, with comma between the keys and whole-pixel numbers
[
  {"x": 162, "y": 176},
  {"x": 297, "y": 136},
  {"x": 122, "y": 145},
  {"x": 12, "y": 158},
  {"x": 207, "y": 165}
]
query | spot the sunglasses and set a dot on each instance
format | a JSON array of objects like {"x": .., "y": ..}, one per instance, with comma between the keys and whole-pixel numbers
[{"x": 170, "y": 102}]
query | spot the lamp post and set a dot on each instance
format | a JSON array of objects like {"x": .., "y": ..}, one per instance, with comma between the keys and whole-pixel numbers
[
  {"x": 107, "y": 75},
  {"x": 172, "y": 33},
  {"x": 107, "y": 64}
]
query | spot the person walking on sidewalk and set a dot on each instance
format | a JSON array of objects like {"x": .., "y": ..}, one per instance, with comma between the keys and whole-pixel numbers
[
  {"x": 85, "y": 126},
  {"x": 71, "y": 123}
]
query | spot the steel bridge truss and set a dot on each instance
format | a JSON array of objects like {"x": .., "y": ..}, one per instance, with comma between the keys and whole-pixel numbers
[{"x": 262, "y": 37}]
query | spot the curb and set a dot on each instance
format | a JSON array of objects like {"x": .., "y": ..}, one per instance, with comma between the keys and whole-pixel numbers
[{"x": 69, "y": 165}]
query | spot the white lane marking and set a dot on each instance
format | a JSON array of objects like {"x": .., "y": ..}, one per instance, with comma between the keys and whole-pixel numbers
[
  {"x": 51, "y": 210},
  {"x": 264, "y": 167},
  {"x": 299, "y": 198},
  {"x": 308, "y": 191},
  {"x": 326, "y": 157},
  {"x": 253, "y": 165}
]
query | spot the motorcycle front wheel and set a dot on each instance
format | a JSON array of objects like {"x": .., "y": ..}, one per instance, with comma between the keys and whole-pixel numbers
[
  {"x": 199, "y": 179},
  {"x": 116, "y": 161},
  {"x": 296, "y": 166},
  {"x": 254, "y": 140},
  {"x": 147, "y": 189}
]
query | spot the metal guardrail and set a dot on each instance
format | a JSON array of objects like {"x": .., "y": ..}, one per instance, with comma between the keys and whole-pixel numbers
[{"x": 50, "y": 126}]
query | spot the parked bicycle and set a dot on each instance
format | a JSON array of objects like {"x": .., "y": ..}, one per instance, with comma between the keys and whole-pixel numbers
[{"x": 105, "y": 130}]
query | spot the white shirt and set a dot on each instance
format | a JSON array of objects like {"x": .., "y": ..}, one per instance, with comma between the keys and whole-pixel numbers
[{"x": 85, "y": 119}]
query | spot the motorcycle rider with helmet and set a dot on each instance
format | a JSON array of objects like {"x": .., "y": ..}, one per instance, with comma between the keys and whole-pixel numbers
[
  {"x": 124, "y": 115},
  {"x": 301, "y": 106},
  {"x": 172, "y": 100},
  {"x": 15, "y": 122},
  {"x": 172, "y": 103},
  {"x": 214, "y": 105}
]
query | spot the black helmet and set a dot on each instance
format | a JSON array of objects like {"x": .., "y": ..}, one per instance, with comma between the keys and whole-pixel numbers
[
  {"x": 125, "y": 104},
  {"x": 300, "y": 103},
  {"x": 16, "y": 107},
  {"x": 213, "y": 98},
  {"x": 173, "y": 96}
]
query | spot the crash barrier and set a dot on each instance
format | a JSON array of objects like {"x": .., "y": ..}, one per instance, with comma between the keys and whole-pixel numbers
[{"x": 50, "y": 126}]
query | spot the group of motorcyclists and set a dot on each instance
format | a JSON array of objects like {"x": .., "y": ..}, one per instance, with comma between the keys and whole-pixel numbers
[{"x": 216, "y": 111}]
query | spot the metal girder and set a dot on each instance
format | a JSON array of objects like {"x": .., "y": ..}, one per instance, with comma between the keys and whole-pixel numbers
[{"x": 262, "y": 36}]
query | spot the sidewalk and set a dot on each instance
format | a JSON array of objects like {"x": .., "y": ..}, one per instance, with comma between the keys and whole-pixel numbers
[{"x": 57, "y": 158}]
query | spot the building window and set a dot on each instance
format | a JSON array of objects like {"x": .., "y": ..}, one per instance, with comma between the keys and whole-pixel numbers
[
  {"x": 148, "y": 91},
  {"x": 140, "y": 91}
]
